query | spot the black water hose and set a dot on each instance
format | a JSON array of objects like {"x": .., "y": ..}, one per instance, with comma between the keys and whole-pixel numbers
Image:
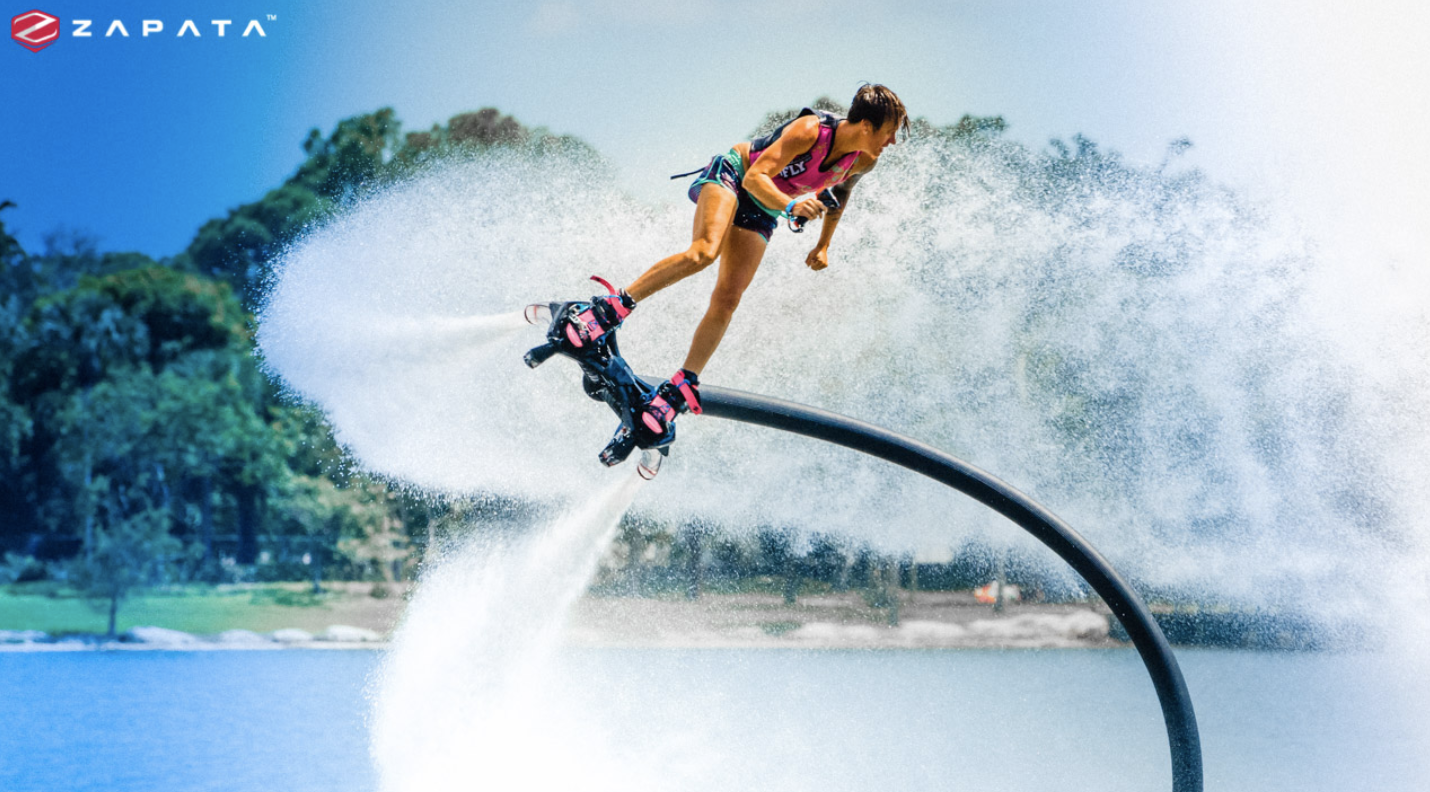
[{"x": 1182, "y": 735}]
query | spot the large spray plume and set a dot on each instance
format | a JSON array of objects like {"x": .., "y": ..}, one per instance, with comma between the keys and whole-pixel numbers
[{"x": 1131, "y": 346}]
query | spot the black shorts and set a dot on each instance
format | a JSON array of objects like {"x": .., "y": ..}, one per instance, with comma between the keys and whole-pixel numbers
[{"x": 727, "y": 170}]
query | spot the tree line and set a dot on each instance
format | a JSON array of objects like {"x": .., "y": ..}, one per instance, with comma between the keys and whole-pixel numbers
[{"x": 141, "y": 444}]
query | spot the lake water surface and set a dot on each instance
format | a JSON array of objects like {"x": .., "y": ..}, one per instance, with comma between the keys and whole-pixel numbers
[{"x": 733, "y": 719}]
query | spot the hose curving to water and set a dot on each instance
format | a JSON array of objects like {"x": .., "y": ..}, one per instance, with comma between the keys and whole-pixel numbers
[{"x": 1182, "y": 735}]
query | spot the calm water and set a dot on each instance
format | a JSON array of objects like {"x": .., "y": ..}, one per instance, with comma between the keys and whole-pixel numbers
[{"x": 1066, "y": 720}]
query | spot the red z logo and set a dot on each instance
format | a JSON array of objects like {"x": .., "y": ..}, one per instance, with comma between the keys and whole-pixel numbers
[{"x": 35, "y": 30}]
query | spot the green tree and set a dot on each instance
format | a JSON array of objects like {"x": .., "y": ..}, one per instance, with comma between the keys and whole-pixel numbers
[
  {"x": 354, "y": 526},
  {"x": 470, "y": 133},
  {"x": 237, "y": 249},
  {"x": 190, "y": 411},
  {"x": 16, "y": 426},
  {"x": 362, "y": 153},
  {"x": 212, "y": 434},
  {"x": 15, "y": 277},
  {"x": 106, "y": 452},
  {"x": 17, "y": 287},
  {"x": 126, "y": 553},
  {"x": 341, "y": 165}
]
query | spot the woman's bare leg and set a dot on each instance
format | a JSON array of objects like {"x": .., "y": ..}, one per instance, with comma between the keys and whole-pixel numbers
[
  {"x": 744, "y": 249},
  {"x": 714, "y": 212}
]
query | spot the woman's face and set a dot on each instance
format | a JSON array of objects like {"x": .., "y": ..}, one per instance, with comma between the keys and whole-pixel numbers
[{"x": 879, "y": 139}]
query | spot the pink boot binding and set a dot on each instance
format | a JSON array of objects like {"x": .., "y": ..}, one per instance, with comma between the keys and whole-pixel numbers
[
  {"x": 592, "y": 326},
  {"x": 679, "y": 394}
]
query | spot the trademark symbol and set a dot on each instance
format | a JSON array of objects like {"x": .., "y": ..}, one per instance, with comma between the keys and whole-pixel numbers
[{"x": 272, "y": 17}]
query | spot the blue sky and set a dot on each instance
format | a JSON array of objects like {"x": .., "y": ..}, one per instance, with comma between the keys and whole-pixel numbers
[{"x": 140, "y": 140}]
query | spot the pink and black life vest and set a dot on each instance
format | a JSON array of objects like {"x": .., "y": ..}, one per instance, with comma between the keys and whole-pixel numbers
[{"x": 806, "y": 173}]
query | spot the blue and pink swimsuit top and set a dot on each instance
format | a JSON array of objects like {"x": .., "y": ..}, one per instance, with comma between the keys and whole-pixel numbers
[{"x": 806, "y": 173}]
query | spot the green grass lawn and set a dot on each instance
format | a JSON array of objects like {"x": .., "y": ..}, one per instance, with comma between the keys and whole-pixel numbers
[{"x": 201, "y": 609}]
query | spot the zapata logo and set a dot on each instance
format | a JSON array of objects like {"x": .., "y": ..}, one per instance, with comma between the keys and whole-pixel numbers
[{"x": 35, "y": 30}]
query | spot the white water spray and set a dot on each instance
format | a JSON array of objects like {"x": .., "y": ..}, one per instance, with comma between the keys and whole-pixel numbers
[
  {"x": 1130, "y": 347},
  {"x": 464, "y": 694}
]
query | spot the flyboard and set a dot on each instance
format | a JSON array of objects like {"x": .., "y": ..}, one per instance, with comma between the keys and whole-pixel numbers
[{"x": 606, "y": 377}]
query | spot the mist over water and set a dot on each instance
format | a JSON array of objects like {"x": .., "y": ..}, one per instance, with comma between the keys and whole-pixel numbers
[{"x": 1132, "y": 346}]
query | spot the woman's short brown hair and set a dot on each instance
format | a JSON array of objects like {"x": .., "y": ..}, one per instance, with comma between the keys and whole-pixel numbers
[{"x": 878, "y": 104}]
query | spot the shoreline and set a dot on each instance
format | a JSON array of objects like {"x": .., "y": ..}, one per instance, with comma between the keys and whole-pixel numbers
[{"x": 926, "y": 620}]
